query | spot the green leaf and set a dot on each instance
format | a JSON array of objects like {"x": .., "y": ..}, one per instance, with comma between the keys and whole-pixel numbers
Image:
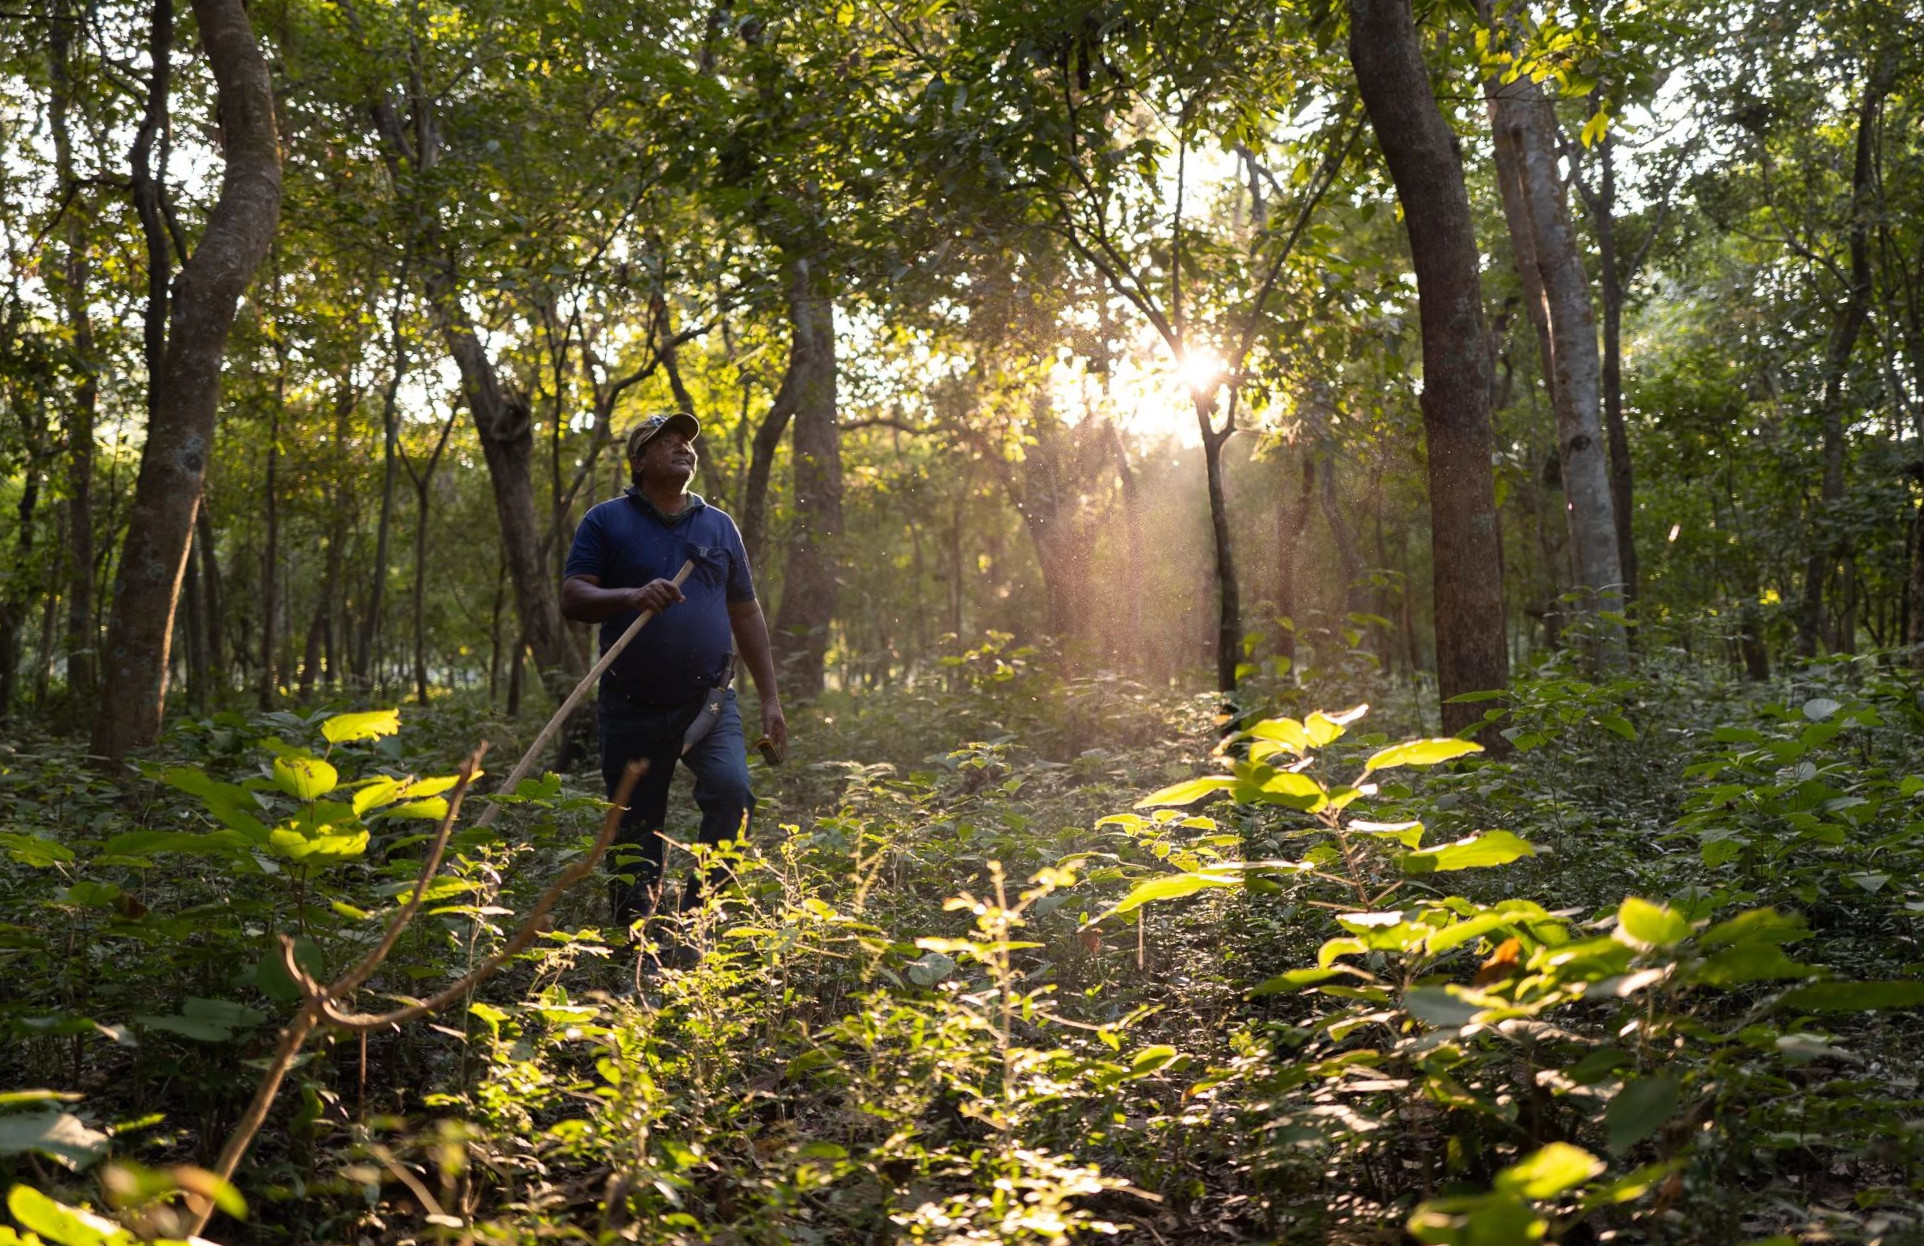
[
  {"x": 61, "y": 1135},
  {"x": 35, "y": 850},
  {"x": 304, "y": 778},
  {"x": 1322, "y": 728},
  {"x": 14, "y": 1098},
  {"x": 1420, "y": 753},
  {"x": 61, "y": 1224},
  {"x": 1294, "y": 786},
  {"x": 1284, "y": 731},
  {"x": 1644, "y": 925},
  {"x": 1617, "y": 724},
  {"x": 184, "y": 843},
  {"x": 366, "y": 725},
  {"x": 930, "y": 968},
  {"x": 1855, "y": 996},
  {"x": 1549, "y": 1171},
  {"x": 1749, "y": 962},
  {"x": 1472, "y": 852},
  {"x": 1757, "y": 926},
  {"x": 1187, "y": 792},
  {"x": 1817, "y": 709},
  {"x": 1636, "y": 1111},
  {"x": 1170, "y": 887},
  {"x": 375, "y": 793},
  {"x": 434, "y": 809},
  {"x": 1294, "y": 980}
]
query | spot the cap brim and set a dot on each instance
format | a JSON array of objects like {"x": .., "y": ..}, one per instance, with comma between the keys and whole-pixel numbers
[{"x": 684, "y": 423}]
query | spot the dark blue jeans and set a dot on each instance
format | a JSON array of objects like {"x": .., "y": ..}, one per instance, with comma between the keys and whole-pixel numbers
[{"x": 719, "y": 762}]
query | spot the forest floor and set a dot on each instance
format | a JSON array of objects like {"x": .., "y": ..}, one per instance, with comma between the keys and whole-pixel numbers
[{"x": 964, "y": 990}]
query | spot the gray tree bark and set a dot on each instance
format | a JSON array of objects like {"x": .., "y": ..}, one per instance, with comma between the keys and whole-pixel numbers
[
  {"x": 185, "y": 392},
  {"x": 1558, "y": 301},
  {"x": 1471, "y": 654}
]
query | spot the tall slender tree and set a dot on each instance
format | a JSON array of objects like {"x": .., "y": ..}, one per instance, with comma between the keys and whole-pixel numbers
[
  {"x": 184, "y": 391},
  {"x": 1421, "y": 152}
]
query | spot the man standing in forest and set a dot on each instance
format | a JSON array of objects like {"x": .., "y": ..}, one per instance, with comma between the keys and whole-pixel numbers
[{"x": 667, "y": 696}]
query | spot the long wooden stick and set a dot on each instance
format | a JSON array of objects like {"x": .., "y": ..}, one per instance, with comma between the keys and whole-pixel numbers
[{"x": 526, "y": 763}]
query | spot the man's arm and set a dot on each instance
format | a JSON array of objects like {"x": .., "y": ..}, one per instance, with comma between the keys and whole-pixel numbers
[
  {"x": 585, "y": 601},
  {"x": 751, "y": 641}
]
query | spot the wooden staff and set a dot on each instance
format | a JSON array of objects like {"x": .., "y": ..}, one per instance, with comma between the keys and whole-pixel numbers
[{"x": 526, "y": 763}]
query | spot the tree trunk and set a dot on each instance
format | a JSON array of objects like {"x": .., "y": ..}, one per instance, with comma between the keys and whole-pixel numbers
[
  {"x": 195, "y": 628},
  {"x": 184, "y": 394},
  {"x": 269, "y": 674},
  {"x": 507, "y": 442},
  {"x": 210, "y": 581},
  {"x": 1130, "y": 650},
  {"x": 1829, "y": 547},
  {"x": 75, "y": 271},
  {"x": 1421, "y": 153},
  {"x": 813, "y": 567},
  {"x": 761, "y": 463},
  {"x": 418, "y": 606},
  {"x": 1610, "y": 279},
  {"x": 390, "y": 436},
  {"x": 1559, "y": 303},
  {"x": 1229, "y": 605},
  {"x": 1292, "y": 520}
]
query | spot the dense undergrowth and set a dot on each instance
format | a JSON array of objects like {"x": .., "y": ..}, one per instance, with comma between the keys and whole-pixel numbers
[{"x": 1645, "y": 979}]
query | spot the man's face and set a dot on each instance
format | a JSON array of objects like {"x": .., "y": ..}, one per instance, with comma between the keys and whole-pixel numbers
[{"x": 668, "y": 458}]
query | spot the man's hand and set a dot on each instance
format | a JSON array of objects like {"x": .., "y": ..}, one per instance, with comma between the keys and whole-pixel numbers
[
  {"x": 656, "y": 595},
  {"x": 774, "y": 730}
]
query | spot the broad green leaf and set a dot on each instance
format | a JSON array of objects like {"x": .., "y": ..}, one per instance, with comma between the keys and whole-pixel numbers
[
  {"x": 14, "y": 1098},
  {"x": 61, "y": 1135},
  {"x": 1154, "y": 1060},
  {"x": 434, "y": 808},
  {"x": 366, "y": 725},
  {"x": 1549, "y": 1171},
  {"x": 1420, "y": 753},
  {"x": 1322, "y": 728},
  {"x": 1299, "y": 786},
  {"x": 1636, "y": 1111},
  {"x": 185, "y": 843},
  {"x": 304, "y": 778},
  {"x": 1449, "y": 1007},
  {"x": 416, "y": 789},
  {"x": 1188, "y": 792},
  {"x": 1471, "y": 852},
  {"x": 1617, "y": 724},
  {"x": 1296, "y": 980},
  {"x": 1409, "y": 834},
  {"x": 1855, "y": 996},
  {"x": 1644, "y": 925},
  {"x": 930, "y": 968},
  {"x": 34, "y": 850},
  {"x": 61, "y": 1224},
  {"x": 1284, "y": 731},
  {"x": 1749, "y": 962},
  {"x": 326, "y": 848},
  {"x": 1757, "y": 926},
  {"x": 1171, "y": 887},
  {"x": 1817, "y": 709},
  {"x": 376, "y": 793}
]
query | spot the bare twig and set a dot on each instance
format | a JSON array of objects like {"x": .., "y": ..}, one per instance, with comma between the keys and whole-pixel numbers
[{"x": 318, "y": 1002}]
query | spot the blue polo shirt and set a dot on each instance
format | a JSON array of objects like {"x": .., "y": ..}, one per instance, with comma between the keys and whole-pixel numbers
[{"x": 626, "y": 542}]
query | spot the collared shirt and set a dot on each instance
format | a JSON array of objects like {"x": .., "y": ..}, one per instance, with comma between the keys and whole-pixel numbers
[{"x": 625, "y": 543}]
